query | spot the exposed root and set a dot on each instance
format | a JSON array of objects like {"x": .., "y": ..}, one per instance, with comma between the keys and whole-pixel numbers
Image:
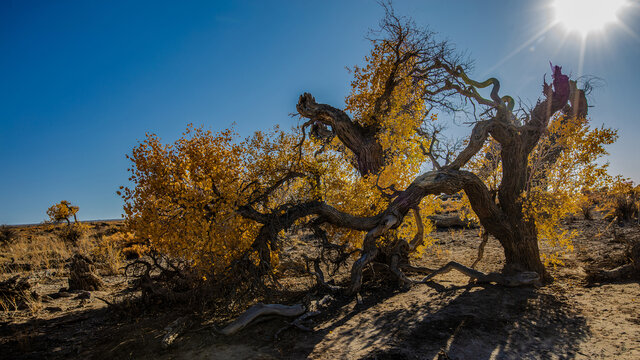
[
  {"x": 416, "y": 269},
  {"x": 319, "y": 275},
  {"x": 259, "y": 310},
  {"x": 298, "y": 323},
  {"x": 369, "y": 251},
  {"x": 519, "y": 279},
  {"x": 404, "y": 280},
  {"x": 485, "y": 239}
]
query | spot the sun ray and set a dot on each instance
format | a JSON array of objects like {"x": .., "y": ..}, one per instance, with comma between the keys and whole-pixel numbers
[
  {"x": 560, "y": 45},
  {"x": 583, "y": 48},
  {"x": 519, "y": 48},
  {"x": 628, "y": 30}
]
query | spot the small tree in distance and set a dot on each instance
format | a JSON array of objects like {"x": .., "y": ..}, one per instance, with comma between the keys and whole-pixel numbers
[{"x": 62, "y": 211}]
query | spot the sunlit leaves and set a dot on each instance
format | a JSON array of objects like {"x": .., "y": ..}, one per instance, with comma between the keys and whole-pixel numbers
[{"x": 61, "y": 211}]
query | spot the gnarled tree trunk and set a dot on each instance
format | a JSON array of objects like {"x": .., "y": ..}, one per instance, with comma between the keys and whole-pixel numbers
[{"x": 360, "y": 140}]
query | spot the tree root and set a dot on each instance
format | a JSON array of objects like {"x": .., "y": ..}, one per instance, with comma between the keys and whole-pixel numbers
[
  {"x": 369, "y": 251},
  {"x": 485, "y": 239},
  {"x": 416, "y": 269},
  {"x": 518, "y": 279},
  {"x": 319, "y": 275},
  {"x": 402, "y": 278},
  {"x": 258, "y": 310},
  {"x": 298, "y": 323},
  {"x": 621, "y": 272}
]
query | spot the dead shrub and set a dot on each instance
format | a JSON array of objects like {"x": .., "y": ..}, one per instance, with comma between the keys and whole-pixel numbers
[
  {"x": 82, "y": 274},
  {"x": 621, "y": 200},
  {"x": 626, "y": 207},
  {"x": 7, "y": 234},
  {"x": 72, "y": 233},
  {"x": 16, "y": 294}
]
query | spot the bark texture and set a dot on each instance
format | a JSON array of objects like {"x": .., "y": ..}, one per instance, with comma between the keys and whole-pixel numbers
[{"x": 328, "y": 121}]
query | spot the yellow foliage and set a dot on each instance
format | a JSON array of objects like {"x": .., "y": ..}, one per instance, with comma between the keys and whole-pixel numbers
[
  {"x": 564, "y": 169},
  {"x": 186, "y": 195},
  {"x": 621, "y": 199},
  {"x": 562, "y": 184},
  {"x": 62, "y": 211},
  {"x": 185, "y": 198}
]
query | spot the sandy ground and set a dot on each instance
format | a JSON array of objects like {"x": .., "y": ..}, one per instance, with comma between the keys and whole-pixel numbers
[{"x": 447, "y": 318}]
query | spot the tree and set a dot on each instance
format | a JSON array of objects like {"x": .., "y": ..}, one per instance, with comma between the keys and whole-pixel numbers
[
  {"x": 436, "y": 80},
  {"x": 62, "y": 211},
  {"x": 226, "y": 204}
]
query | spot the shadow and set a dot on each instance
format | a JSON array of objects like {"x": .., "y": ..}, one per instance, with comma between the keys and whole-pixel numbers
[
  {"x": 467, "y": 322},
  {"x": 102, "y": 333},
  {"x": 55, "y": 338}
]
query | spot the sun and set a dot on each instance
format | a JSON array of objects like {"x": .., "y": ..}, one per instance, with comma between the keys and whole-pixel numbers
[{"x": 585, "y": 16}]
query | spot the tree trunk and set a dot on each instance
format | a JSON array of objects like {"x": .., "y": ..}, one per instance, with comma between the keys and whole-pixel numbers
[
  {"x": 521, "y": 242},
  {"x": 522, "y": 254}
]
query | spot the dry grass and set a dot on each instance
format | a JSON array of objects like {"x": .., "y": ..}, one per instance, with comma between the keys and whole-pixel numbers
[
  {"x": 41, "y": 247},
  {"x": 107, "y": 251},
  {"x": 26, "y": 299},
  {"x": 34, "y": 253}
]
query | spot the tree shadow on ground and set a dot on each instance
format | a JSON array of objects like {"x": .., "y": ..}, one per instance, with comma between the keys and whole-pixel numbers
[
  {"x": 59, "y": 337},
  {"x": 465, "y": 322},
  {"x": 468, "y": 322},
  {"x": 89, "y": 334}
]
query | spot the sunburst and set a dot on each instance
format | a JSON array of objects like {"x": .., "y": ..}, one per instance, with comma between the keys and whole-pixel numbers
[{"x": 586, "y": 16}]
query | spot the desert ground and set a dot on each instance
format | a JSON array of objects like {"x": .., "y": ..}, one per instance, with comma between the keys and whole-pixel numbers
[{"x": 447, "y": 318}]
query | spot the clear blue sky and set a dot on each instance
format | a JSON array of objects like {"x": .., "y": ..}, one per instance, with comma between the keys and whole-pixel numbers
[{"x": 82, "y": 81}]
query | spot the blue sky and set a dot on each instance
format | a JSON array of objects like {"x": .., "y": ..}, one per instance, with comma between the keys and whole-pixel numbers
[{"x": 82, "y": 81}]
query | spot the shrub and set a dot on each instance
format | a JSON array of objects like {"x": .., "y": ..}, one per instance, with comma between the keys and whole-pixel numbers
[
  {"x": 623, "y": 200},
  {"x": 7, "y": 234},
  {"x": 72, "y": 233},
  {"x": 108, "y": 251}
]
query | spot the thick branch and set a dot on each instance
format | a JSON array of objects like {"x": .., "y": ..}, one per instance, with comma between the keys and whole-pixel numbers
[
  {"x": 433, "y": 182},
  {"x": 356, "y": 138}
]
